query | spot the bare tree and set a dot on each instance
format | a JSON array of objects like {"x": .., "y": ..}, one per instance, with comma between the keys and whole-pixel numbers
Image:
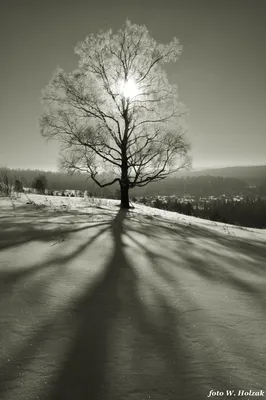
[{"x": 117, "y": 113}]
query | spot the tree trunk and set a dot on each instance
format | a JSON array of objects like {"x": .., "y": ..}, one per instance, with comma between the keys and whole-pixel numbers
[
  {"x": 124, "y": 183},
  {"x": 124, "y": 196}
]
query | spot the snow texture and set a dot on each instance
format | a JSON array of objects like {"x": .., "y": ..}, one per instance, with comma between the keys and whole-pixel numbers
[{"x": 98, "y": 303}]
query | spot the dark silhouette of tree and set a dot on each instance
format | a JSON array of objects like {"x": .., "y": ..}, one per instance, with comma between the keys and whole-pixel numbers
[
  {"x": 18, "y": 186},
  {"x": 117, "y": 113},
  {"x": 40, "y": 184},
  {"x": 158, "y": 203},
  {"x": 5, "y": 182},
  {"x": 188, "y": 209}
]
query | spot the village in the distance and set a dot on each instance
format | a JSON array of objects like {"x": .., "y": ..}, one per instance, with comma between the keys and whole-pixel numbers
[{"x": 233, "y": 195}]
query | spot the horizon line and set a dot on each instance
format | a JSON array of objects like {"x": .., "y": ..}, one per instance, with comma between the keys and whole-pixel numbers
[{"x": 181, "y": 170}]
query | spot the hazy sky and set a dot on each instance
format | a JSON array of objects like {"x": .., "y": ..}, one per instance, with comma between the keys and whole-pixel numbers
[{"x": 221, "y": 74}]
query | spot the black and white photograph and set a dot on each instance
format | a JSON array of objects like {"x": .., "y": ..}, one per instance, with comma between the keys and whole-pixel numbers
[{"x": 132, "y": 200}]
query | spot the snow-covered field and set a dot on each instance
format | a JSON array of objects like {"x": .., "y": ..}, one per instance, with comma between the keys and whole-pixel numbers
[{"x": 97, "y": 303}]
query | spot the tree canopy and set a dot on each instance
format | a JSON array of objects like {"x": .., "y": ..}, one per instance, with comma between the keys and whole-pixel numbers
[{"x": 117, "y": 112}]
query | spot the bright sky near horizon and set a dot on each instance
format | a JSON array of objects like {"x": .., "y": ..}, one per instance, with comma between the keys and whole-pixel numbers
[{"x": 221, "y": 74}]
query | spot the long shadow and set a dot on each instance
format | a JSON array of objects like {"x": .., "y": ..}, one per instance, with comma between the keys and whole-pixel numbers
[
  {"x": 100, "y": 313},
  {"x": 255, "y": 249},
  {"x": 122, "y": 347},
  {"x": 10, "y": 280},
  {"x": 227, "y": 273},
  {"x": 26, "y": 225},
  {"x": 84, "y": 373},
  {"x": 99, "y": 364}
]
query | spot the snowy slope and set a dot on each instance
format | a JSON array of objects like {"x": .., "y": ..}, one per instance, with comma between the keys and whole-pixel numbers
[{"x": 97, "y": 303}]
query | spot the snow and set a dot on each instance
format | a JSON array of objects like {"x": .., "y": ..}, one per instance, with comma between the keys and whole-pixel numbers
[{"x": 97, "y": 303}]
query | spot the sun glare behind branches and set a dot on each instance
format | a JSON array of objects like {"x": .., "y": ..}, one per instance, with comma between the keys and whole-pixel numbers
[{"x": 129, "y": 88}]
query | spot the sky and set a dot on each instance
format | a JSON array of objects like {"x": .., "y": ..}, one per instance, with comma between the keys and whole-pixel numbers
[{"x": 221, "y": 75}]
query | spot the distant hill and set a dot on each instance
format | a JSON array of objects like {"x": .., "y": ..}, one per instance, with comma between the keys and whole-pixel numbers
[
  {"x": 251, "y": 174},
  {"x": 216, "y": 181},
  {"x": 198, "y": 186},
  {"x": 206, "y": 182}
]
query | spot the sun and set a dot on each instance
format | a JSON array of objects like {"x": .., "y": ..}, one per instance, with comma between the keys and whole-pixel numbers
[{"x": 129, "y": 88}]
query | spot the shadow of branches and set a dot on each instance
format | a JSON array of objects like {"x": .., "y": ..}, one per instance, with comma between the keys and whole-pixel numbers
[{"x": 138, "y": 331}]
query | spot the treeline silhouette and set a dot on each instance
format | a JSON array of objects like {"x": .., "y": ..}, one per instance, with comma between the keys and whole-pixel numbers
[
  {"x": 194, "y": 186},
  {"x": 59, "y": 181},
  {"x": 249, "y": 212},
  {"x": 198, "y": 186}
]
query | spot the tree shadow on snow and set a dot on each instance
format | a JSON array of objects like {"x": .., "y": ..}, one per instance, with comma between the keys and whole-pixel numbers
[
  {"x": 122, "y": 350},
  {"x": 118, "y": 348},
  {"x": 121, "y": 344},
  {"x": 26, "y": 225}
]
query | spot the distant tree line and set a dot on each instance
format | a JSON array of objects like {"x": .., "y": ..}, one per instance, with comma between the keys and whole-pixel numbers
[
  {"x": 199, "y": 186},
  {"x": 247, "y": 213},
  {"x": 56, "y": 181}
]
